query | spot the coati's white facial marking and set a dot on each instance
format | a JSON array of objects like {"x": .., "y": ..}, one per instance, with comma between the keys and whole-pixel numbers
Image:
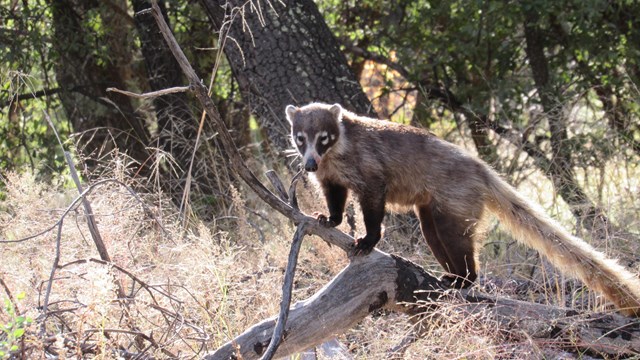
[
  {"x": 300, "y": 137},
  {"x": 324, "y": 138},
  {"x": 310, "y": 145}
]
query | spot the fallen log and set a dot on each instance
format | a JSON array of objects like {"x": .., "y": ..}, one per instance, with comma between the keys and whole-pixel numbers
[{"x": 381, "y": 280}]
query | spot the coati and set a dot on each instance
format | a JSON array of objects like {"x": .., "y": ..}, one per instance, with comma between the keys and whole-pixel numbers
[{"x": 385, "y": 163}]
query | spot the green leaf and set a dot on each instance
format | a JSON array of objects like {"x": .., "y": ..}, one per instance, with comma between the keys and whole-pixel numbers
[{"x": 18, "y": 333}]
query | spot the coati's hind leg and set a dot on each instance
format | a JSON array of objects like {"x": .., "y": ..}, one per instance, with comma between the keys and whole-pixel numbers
[{"x": 450, "y": 238}]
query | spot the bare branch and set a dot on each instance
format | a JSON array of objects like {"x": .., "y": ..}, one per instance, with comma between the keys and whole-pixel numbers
[
  {"x": 56, "y": 260},
  {"x": 277, "y": 184},
  {"x": 11, "y": 299},
  {"x": 43, "y": 93},
  {"x": 151, "y": 94}
]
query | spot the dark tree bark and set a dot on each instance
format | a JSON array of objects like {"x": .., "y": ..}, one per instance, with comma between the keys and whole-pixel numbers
[
  {"x": 281, "y": 55},
  {"x": 561, "y": 165},
  {"x": 105, "y": 120},
  {"x": 178, "y": 126}
]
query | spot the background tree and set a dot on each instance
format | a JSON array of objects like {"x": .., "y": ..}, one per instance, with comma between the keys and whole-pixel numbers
[
  {"x": 103, "y": 120},
  {"x": 176, "y": 124}
]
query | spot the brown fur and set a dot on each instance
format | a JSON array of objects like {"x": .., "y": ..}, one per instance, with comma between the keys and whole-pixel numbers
[{"x": 385, "y": 163}]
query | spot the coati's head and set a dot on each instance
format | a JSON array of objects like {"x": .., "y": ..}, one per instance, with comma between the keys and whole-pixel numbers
[{"x": 315, "y": 130}]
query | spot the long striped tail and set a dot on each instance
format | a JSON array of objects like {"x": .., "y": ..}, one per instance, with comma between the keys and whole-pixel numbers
[{"x": 571, "y": 255}]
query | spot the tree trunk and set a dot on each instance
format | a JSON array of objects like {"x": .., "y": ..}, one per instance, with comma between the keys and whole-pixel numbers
[
  {"x": 104, "y": 120},
  {"x": 283, "y": 53},
  {"x": 620, "y": 120},
  {"x": 561, "y": 165}
]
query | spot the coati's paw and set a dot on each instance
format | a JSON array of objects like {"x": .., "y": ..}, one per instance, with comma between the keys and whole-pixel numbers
[
  {"x": 363, "y": 246},
  {"x": 457, "y": 282},
  {"x": 324, "y": 220}
]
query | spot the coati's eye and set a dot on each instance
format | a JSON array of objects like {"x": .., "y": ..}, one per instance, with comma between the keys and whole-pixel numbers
[{"x": 300, "y": 140}]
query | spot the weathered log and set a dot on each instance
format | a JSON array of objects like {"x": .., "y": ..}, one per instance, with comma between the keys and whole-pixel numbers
[
  {"x": 380, "y": 280},
  {"x": 368, "y": 283},
  {"x": 608, "y": 335}
]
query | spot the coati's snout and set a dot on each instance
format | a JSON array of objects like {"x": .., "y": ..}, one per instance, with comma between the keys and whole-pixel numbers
[
  {"x": 310, "y": 158},
  {"x": 311, "y": 165}
]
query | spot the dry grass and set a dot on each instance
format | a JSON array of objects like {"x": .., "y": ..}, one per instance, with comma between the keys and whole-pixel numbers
[{"x": 191, "y": 289}]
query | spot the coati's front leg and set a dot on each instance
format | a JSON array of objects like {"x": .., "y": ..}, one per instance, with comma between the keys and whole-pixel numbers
[
  {"x": 372, "y": 207},
  {"x": 336, "y": 196}
]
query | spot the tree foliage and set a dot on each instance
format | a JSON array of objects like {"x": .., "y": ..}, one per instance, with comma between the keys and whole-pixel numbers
[{"x": 475, "y": 49}]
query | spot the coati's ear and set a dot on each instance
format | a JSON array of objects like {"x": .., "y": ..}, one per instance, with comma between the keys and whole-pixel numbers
[
  {"x": 290, "y": 111},
  {"x": 336, "y": 110}
]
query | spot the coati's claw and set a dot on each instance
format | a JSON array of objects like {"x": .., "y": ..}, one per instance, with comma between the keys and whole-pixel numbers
[{"x": 324, "y": 220}]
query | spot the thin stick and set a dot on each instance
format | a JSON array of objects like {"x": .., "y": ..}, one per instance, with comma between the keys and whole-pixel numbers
[
  {"x": 293, "y": 198},
  {"x": 277, "y": 185},
  {"x": 11, "y": 299},
  {"x": 56, "y": 260},
  {"x": 91, "y": 223},
  {"x": 287, "y": 287}
]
